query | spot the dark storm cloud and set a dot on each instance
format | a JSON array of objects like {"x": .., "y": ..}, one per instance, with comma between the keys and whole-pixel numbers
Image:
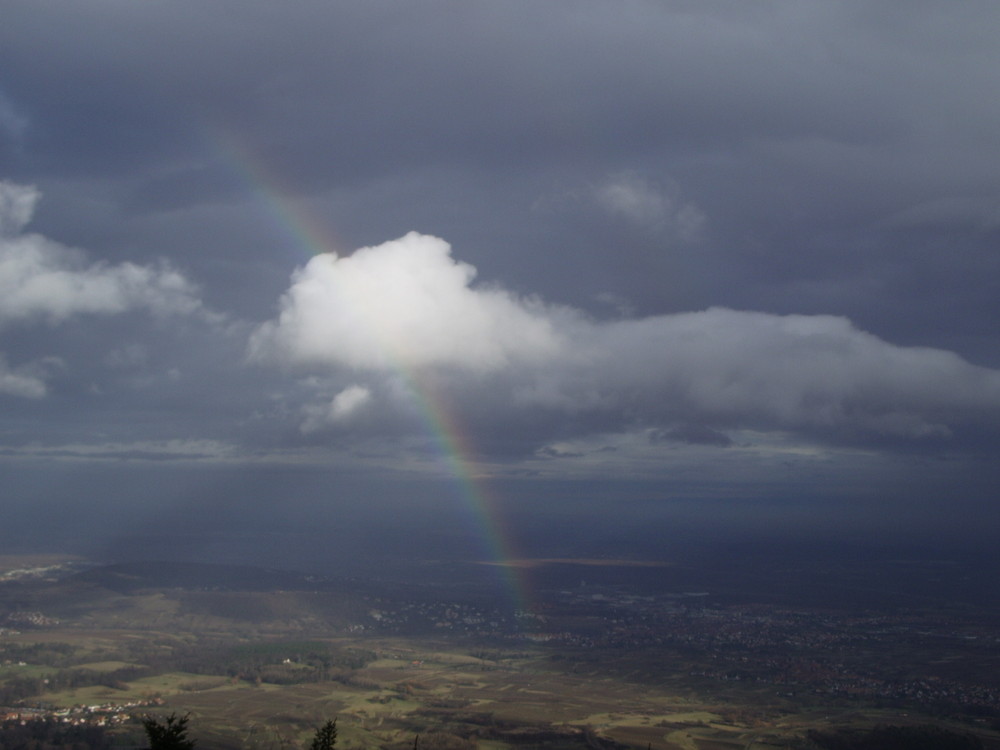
[
  {"x": 693, "y": 219},
  {"x": 347, "y": 90},
  {"x": 694, "y": 434}
]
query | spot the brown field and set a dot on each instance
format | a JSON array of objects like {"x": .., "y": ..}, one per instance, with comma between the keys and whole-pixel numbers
[
  {"x": 432, "y": 687},
  {"x": 426, "y": 687}
]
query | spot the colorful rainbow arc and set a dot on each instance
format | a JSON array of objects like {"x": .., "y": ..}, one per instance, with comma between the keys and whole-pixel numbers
[{"x": 452, "y": 444}]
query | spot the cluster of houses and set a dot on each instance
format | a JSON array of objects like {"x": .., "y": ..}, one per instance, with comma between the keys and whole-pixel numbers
[{"x": 102, "y": 714}]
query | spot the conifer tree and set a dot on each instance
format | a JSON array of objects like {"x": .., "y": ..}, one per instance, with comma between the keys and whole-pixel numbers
[
  {"x": 170, "y": 734},
  {"x": 325, "y": 737}
]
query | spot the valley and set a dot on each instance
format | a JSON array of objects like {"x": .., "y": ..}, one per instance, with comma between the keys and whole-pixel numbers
[{"x": 604, "y": 659}]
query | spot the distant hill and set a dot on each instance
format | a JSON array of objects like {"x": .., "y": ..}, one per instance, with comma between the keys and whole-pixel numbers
[
  {"x": 130, "y": 577},
  {"x": 183, "y": 594}
]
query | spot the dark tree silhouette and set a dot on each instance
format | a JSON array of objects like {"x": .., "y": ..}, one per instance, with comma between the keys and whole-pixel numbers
[
  {"x": 169, "y": 734},
  {"x": 325, "y": 737}
]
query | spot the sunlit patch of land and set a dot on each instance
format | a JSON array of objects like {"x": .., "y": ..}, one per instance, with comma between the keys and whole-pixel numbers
[
  {"x": 24, "y": 560},
  {"x": 13, "y": 567}
]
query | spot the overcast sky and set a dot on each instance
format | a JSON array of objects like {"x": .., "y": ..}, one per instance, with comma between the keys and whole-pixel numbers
[{"x": 724, "y": 248}]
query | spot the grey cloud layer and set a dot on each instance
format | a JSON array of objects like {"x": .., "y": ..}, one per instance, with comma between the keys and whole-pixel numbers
[
  {"x": 831, "y": 166},
  {"x": 342, "y": 92}
]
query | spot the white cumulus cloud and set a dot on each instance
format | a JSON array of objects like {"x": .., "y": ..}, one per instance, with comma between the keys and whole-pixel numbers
[
  {"x": 41, "y": 280},
  {"x": 744, "y": 369},
  {"x": 340, "y": 409},
  {"x": 407, "y": 303},
  {"x": 645, "y": 203},
  {"x": 403, "y": 304},
  {"x": 26, "y": 382},
  {"x": 17, "y": 204}
]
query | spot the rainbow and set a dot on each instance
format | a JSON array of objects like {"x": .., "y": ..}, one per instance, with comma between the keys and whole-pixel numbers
[{"x": 454, "y": 447}]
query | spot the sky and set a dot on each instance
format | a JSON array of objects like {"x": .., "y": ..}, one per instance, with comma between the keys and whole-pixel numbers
[{"x": 593, "y": 258}]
